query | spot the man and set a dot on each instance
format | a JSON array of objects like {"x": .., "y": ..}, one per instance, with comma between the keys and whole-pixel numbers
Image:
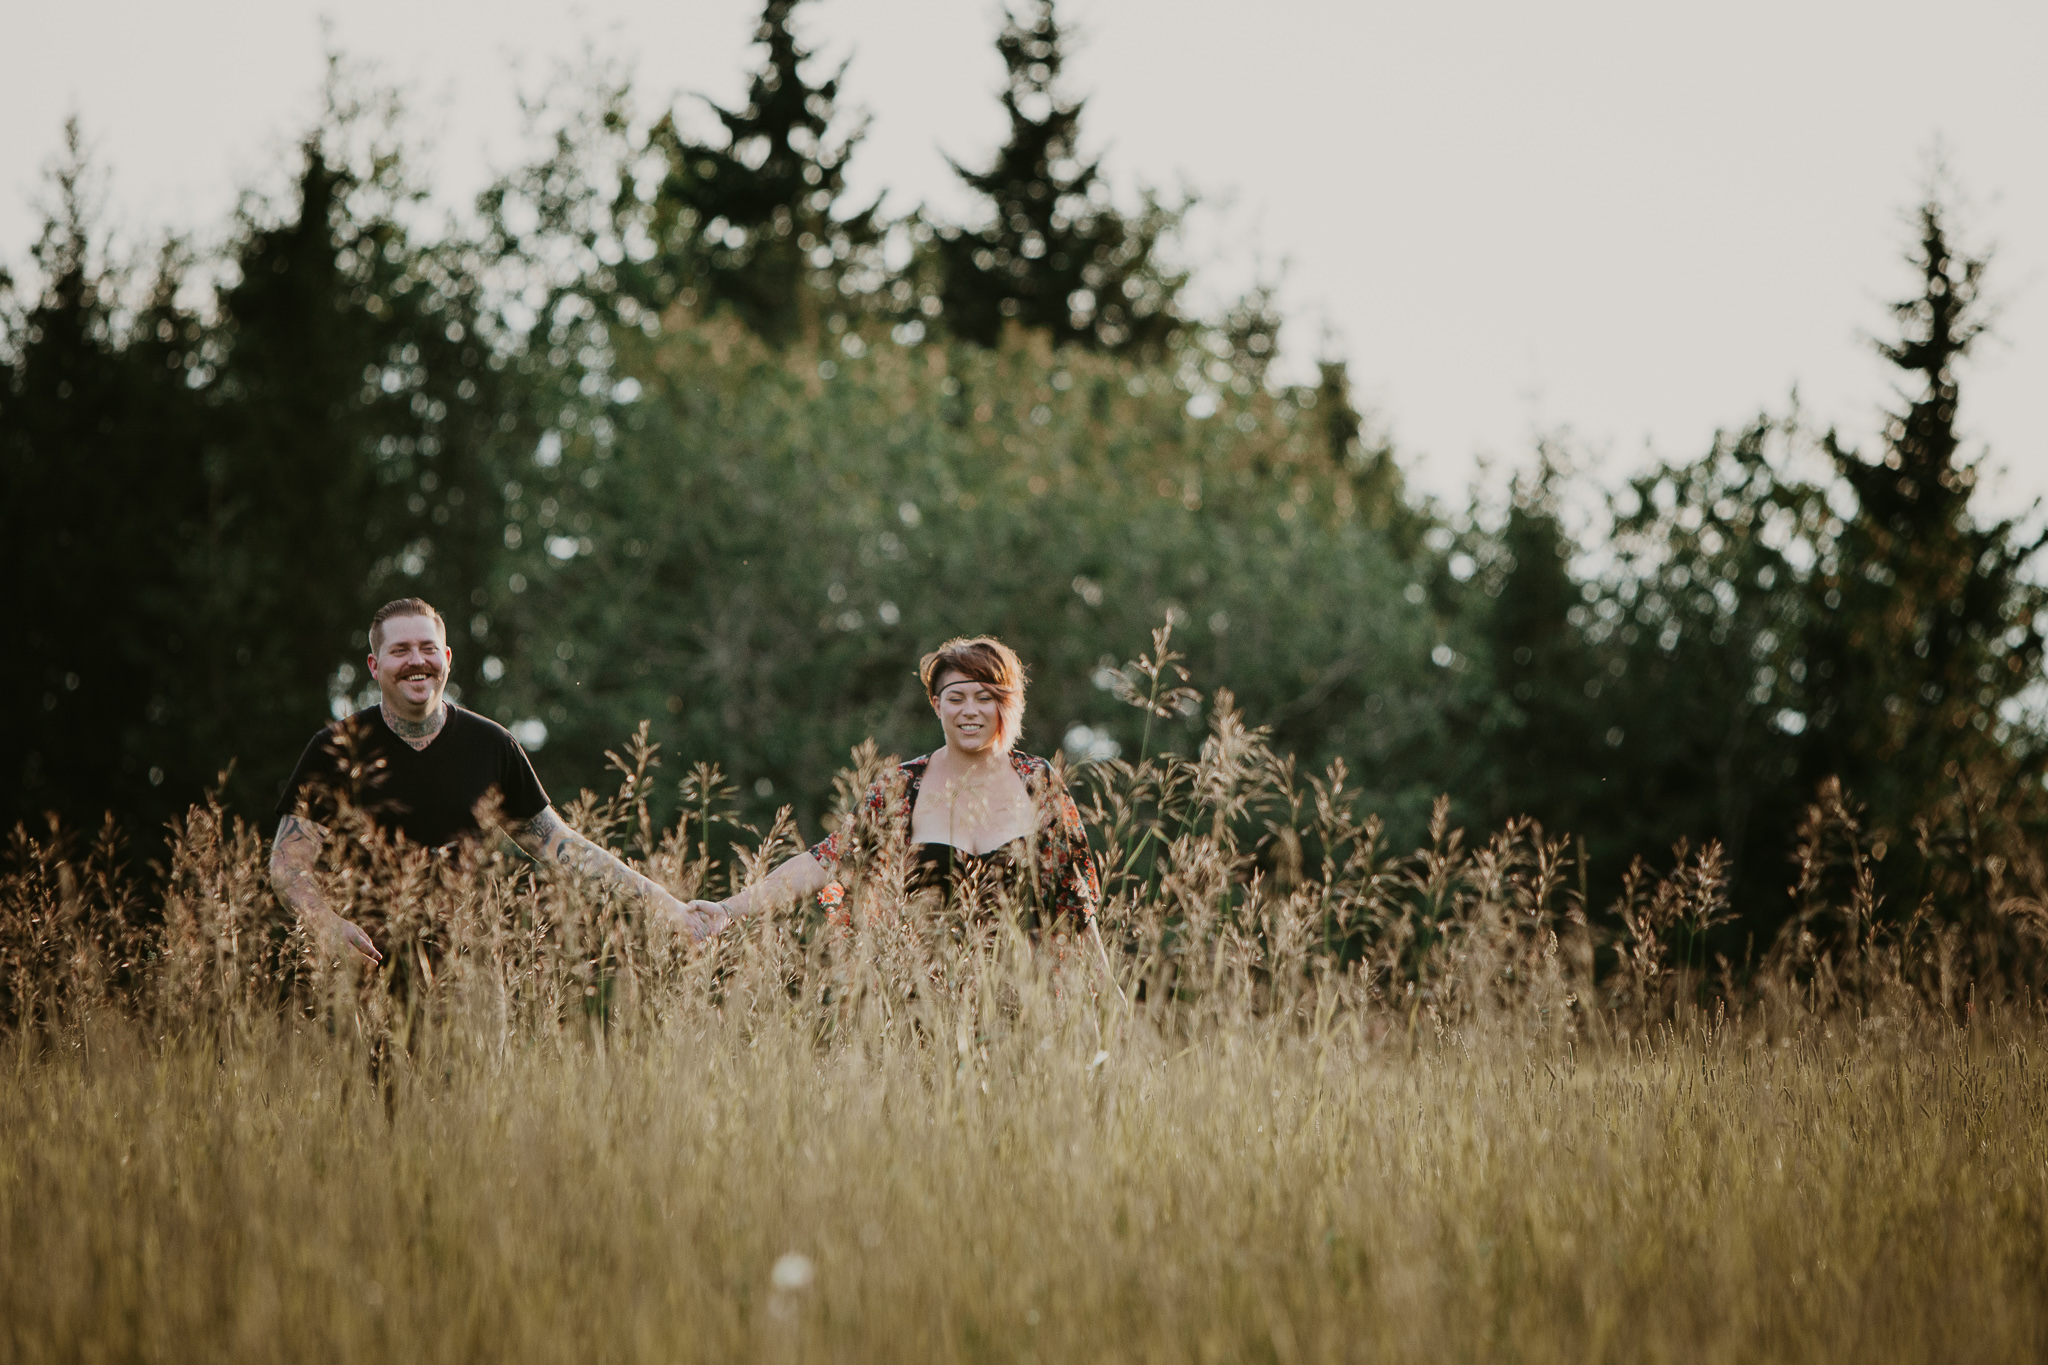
[{"x": 423, "y": 765}]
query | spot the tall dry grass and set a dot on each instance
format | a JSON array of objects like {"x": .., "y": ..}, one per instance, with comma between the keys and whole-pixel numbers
[{"x": 1339, "y": 1103}]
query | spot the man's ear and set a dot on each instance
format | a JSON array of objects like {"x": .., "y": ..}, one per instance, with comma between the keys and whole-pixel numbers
[{"x": 373, "y": 667}]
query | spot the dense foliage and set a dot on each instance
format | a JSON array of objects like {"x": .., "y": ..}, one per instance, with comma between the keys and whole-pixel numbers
[{"x": 773, "y": 537}]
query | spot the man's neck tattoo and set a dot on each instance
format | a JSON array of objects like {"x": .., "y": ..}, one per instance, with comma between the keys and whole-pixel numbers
[{"x": 416, "y": 732}]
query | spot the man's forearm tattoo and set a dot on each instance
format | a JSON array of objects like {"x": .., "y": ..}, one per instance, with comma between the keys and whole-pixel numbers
[
  {"x": 292, "y": 855},
  {"x": 548, "y": 838},
  {"x": 295, "y": 834}
]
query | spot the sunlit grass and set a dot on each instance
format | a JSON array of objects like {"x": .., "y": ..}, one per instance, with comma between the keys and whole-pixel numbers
[
  {"x": 1248, "y": 1196},
  {"x": 1338, "y": 1105}
]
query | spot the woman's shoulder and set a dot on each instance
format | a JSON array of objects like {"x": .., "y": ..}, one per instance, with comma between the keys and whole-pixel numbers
[
  {"x": 902, "y": 779},
  {"x": 894, "y": 772},
  {"x": 1030, "y": 767}
]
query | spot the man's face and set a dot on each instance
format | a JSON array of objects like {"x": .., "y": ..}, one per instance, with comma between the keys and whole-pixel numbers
[{"x": 411, "y": 666}]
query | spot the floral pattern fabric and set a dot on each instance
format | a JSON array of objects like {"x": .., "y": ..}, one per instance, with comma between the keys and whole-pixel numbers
[{"x": 1066, "y": 872}]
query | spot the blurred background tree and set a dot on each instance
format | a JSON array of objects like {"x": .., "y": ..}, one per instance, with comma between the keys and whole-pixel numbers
[
  {"x": 1782, "y": 611},
  {"x": 229, "y": 495},
  {"x": 311, "y": 381},
  {"x": 103, "y": 478},
  {"x": 624, "y": 218},
  {"x": 1926, "y": 630},
  {"x": 1546, "y": 746},
  {"x": 1055, "y": 254},
  {"x": 1693, "y": 636},
  {"x": 773, "y": 537},
  {"x": 763, "y": 216},
  {"x": 354, "y": 436}
]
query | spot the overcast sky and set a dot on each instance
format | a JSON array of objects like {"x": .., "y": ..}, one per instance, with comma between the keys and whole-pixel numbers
[{"x": 1627, "y": 221}]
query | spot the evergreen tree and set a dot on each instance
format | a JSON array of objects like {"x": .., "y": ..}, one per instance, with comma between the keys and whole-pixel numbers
[
  {"x": 357, "y": 439},
  {"x": 1539, "y": 727},
  {"x": 1055, "y": 254},
  {"x": 1698, "y": 636},
  {"x": 576, "y": 222},
  {"x": 103, "y": 495},
  {"x": 1249, "y": 334},
  {"x": 755, "y": 224},
  {"x": 296, "y": 478},
  {"x": 1924, "y": 625},
  {"x": 1378, "y": 489},
  {"x": 1763, "y": 635}
]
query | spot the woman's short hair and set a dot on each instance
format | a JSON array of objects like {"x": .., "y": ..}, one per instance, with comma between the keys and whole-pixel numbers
[{"x": 990, "y": 662}]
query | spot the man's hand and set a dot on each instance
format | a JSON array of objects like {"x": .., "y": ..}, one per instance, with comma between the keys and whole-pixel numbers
[
  {"x": 351, "y": 933},
  {"x": 292, "y": 855}
]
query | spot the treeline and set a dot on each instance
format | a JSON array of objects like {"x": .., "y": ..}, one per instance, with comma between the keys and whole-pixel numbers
[{"x": 672, "y": 429}]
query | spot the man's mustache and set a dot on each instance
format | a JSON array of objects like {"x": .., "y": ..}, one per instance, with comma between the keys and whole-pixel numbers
[{"x": 419, "y": 673}]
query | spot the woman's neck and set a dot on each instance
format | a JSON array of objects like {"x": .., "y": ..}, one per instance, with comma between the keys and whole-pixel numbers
[{"x": 973, "y": 762}]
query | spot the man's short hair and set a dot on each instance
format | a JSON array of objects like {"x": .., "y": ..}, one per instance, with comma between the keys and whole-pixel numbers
[{"x": 404, "y": 606}]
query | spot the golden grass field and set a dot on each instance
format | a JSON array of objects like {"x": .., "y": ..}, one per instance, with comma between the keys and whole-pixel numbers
[
  {"x": 1248, "y": 1197},
  {"x": 572, "y": 1141}
]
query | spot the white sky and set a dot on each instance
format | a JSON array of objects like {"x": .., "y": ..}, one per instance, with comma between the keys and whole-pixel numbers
[{"x": 1634, "y": 222}]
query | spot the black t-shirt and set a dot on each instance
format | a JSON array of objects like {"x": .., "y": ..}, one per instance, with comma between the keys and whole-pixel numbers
[{"x": 429, "y": 795}]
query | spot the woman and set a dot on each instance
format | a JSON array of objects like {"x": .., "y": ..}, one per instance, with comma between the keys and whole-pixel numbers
[{"x": 971, "y": 825}]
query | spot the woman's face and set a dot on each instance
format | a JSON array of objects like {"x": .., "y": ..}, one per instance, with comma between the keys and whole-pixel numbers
[{"x": 967, "y": 710}]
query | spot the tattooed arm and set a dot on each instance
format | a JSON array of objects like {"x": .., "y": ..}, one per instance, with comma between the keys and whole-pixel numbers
[
  {"x": 551, "y": 841},
  {"x": 292, "y": 855}
]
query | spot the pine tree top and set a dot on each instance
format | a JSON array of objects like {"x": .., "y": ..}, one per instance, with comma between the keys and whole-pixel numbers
[{"x": 1054, "y": 254}]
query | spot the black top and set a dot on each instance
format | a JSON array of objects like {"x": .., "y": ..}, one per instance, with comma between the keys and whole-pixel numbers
[
  {"x": 971, "y": 890},
  {"x": 950, "y": 869},
  {"x": 953, "y": 870},
  {"x": 1052, "y": 872},
  {"x": 428, "y": 795}
]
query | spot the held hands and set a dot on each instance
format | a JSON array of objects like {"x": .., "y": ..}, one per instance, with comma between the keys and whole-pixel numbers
[
  {"x": 699, "y": 919},
  {"x": 705, "y": 918}
]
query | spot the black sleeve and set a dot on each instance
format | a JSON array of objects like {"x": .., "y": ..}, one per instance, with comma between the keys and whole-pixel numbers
[
  {"x": 309, "y": 791},
  {"x": 518, "y": 785}
]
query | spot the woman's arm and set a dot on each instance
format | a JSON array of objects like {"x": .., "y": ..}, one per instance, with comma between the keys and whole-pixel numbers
[
  {"x": 794, "y": 879},
  {"x": 810, "y": 871},
  {"x": 1076, "y": 891}
]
